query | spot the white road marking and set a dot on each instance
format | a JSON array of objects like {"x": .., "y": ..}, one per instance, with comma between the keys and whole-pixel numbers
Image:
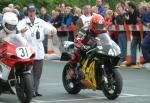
[
  {"x": 85, "y": 99},
  {"x": 50, "y": 84},
  {"x": 57, "y": 61},
  {"x": 134, "y": 95}
]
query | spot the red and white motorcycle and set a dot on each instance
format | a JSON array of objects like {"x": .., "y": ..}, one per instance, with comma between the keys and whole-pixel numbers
[{"x": 16, "y": 59}]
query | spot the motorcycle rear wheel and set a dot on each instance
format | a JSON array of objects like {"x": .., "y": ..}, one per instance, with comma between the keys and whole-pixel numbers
[
  {"x": 114, "y": 84},
  {"x": 70, "y": 85},
  {"x": 24, "y": 89}
]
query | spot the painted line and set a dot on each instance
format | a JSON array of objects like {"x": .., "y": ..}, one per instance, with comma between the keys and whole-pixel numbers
[
  {"x": 126, "y": 94},
  {"x": 50, "y": 84},
  {"x": 57, "y": 61},
  {"x": 69, "y": 100},
  {"x": 85, "y": 99}
]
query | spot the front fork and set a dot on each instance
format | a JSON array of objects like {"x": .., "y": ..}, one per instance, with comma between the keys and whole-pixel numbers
[
  {"x": 104, "y": 74},
  {"x": 19, "y": 74}
]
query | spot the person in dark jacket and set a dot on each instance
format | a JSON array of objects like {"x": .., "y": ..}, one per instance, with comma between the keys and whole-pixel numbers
[
  {"x": 67, "y": 21},
  {"x": 146, "y": 41},
  {"x": 133, "y": 20},
  {"x": 122, "y": 38},
  {"x": 56, "y": 18},
  {"x": 101, "y": 10},
  {"x": 77, "y": 14},
  {"x": 44, "y": 15}
]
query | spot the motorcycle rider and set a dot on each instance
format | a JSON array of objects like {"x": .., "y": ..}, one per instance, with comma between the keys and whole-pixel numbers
[
  {"x": 9, "y": 22},
  {"x": 95, "y": 28},
  {"x": 86, "y": 37}
]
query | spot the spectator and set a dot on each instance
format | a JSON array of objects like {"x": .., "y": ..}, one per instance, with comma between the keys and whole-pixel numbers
[
  {"x": 133, "y": 20},
  {"x": 11, "y": 6},
  {"x": 6, "y": 9},
  {"x": 100, "y": 7},
  {"x": 95, "y": 9},
  {"x": 67, "y": 22},
  {"x": 146, "y": 41},
  {"x": 84, "y": 20},
  {"x": 16, "y": 12},
  {"x": 21, "y": 14},
  {"x": 44, "y": 15},
  {"x": 25, "y": 11},
  {"x": 56, "y": 18},
  {"x": 46, "y": 18},
  {"x": 68, "y": 18},
  {"x": 109, "y": 18},
  {"x": 77, "y": 14},
  {"x": 53, "y": 17},
  {"x": 106, "y": 7},
  {"x": 62, "y": 11},
  {"x": 122, "y": 38},
  {"x": 141, "y": 9},
  {"x": 124, "y": 4},
  {"x": 62, "y": 8},
  {"x": 75, "y": 7}
]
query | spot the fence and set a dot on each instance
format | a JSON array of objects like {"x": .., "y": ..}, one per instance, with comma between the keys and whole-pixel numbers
[{"x": 128, "y": 29}]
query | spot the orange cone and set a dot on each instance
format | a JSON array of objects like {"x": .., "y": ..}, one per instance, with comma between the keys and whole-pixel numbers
[{"x": 51, "y": 52}]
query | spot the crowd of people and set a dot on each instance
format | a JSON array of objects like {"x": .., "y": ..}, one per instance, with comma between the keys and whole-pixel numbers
[{"x": 69, "y": 20}]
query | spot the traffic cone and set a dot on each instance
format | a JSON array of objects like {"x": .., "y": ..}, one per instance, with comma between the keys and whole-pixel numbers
[
  {"x": 50, "y": 45},
  {"x": 128, "y": 57},
  {"x": 51, "y": 52}
]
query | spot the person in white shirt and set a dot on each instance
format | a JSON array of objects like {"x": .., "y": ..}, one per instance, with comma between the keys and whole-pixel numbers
[
  {"x": 34, "y": 29},
  {"x": 84, "y": 19}
]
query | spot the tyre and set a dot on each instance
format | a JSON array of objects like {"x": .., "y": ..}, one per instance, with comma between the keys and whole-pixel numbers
[
  {"x": 113, "y": 87},
  {"x": 24, "y": 89},
  {"x": 70, "y": 84}
]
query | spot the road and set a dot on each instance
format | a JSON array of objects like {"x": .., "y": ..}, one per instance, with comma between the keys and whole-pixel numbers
[{"x": 136, "y": 88}]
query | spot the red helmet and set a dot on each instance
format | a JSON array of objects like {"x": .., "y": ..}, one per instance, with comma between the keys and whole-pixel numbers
[{"x": 97, "y": 23}]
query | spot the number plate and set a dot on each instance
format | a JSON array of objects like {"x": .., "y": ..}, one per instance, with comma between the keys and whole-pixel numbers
[{"x": 23, "y": 52}]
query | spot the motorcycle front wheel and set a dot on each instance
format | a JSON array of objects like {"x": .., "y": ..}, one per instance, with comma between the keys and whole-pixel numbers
[
  {"x": 70, "y": 84},
  {"x": 24, "y": 89},
  {"x": 113, "y": 87}
]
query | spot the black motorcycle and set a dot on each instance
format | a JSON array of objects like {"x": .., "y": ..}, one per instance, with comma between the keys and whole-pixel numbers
[{"x": 97, "y": 68}]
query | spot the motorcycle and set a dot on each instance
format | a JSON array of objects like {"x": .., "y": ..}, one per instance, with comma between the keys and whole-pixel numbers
[
  {"x": 16, "y": 59},
  {"x": 96, "y": 69}
]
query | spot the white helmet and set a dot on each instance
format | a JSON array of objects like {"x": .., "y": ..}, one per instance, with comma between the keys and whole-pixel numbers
[{"x": 9, "y": 22}]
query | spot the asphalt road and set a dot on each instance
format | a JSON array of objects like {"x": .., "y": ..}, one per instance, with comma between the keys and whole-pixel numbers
[{"x": 136, "y": 88}]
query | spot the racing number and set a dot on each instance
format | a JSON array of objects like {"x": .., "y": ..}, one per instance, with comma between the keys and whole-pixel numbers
[
  {"x": 24, "y": 52},
  {"x": 111, "y": 52}
]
